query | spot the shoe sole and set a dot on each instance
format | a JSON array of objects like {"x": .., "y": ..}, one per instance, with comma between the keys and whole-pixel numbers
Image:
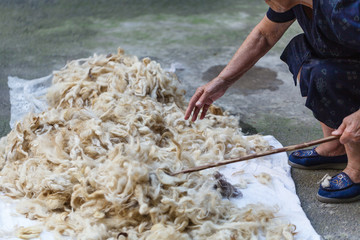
[
  {"x": 336, "y": 166},
  {"x": 336, "y": 200}
]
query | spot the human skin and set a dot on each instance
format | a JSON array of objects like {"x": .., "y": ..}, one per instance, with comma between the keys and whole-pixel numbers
[
  {"x": 349, "y": 131},
  {"x": 261, "y": 39},
  {"x": 258, "y": 43},
  {"x": 284, "y": 5}
]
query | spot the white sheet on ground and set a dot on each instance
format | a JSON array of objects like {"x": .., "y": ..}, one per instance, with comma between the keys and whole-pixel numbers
[{"x": 27, "y": 95}]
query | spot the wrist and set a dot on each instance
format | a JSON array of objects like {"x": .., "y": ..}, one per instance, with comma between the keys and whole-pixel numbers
[{"x": 224, "y": 81}]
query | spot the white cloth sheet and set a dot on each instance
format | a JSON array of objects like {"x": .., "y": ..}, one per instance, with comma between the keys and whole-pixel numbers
[{"x": 280, "y": 193}]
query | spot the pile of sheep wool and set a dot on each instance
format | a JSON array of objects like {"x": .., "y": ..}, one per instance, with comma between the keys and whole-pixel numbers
[{"x": 89, "y": 167}]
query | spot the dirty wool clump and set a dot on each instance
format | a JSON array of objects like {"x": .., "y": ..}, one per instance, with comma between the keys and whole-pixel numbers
[
  {"x": 225, "y": 188},
  {"x": 90, "y": 166}
]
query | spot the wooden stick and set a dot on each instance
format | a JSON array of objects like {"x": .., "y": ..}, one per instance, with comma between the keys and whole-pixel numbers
[{"x": 256, "y": 155}]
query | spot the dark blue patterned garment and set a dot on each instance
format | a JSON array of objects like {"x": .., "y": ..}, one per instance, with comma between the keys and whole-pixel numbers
[{"x": 328, "y": 54}]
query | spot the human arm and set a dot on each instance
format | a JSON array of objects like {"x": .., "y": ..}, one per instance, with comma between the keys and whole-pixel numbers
[
  {"x": 261, "y": 39},
  {"x": 349, "y": 129},
  {"x": 284, "y": 5}
]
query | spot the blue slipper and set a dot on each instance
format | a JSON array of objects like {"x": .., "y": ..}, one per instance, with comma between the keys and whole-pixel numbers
[
  {"x": 339, "y": 189},
  {"x": 310, "y": 159}
]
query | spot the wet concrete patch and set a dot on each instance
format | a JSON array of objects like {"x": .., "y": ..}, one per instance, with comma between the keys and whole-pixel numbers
[
  {"x": 256, "y": 79},
  {"x": 247, "y": 129}
]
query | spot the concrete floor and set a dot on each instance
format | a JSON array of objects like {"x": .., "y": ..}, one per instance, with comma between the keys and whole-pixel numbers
[{"x": 37, "y": 37}]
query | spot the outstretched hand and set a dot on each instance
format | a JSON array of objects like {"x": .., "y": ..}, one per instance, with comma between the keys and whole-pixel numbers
[
  {"x": 204, "y": 97},
  {"x": 349, "y": 129}
]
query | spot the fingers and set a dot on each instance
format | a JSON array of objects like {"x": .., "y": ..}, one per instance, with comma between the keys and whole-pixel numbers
[
  {"x": 204, "y": 110},
  {"x": 350, "y": 134},
  {"x": 347, "y": 131},
  {"x": 195, "y": 113},
  {"x": 199, "y": 101},
  {"x": 188, "y": 111},
  {"x": 340, "y": 130},
  {"x": 204, "y": 97},
  {"x": 345, "y": 137},
  {"x": 192, "y": 103}
]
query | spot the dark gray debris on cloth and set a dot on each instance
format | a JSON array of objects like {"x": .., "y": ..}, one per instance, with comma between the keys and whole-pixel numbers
[{"x": 225, "y": 188}]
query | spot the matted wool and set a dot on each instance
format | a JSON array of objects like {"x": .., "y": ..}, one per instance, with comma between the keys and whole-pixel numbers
[{"x": 90, "y": 166}]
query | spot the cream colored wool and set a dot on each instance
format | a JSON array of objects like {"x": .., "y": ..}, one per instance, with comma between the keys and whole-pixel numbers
[
  {"x": 29, "y": 232},
  {"x": 89, "y": 166},
  {"x": 264, "y": 178}
]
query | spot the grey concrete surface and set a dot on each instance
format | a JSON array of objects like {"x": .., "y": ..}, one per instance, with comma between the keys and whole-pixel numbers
[{"x": 38, "y": 36}]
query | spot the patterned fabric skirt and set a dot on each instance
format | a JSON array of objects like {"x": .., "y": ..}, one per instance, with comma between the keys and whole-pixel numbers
[{"x": 332, "y": 88}]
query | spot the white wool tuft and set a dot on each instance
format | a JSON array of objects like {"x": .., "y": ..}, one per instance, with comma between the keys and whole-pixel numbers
[
  {"x": 325, "y": 181},
  {"x": 90, "y": 166}
]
